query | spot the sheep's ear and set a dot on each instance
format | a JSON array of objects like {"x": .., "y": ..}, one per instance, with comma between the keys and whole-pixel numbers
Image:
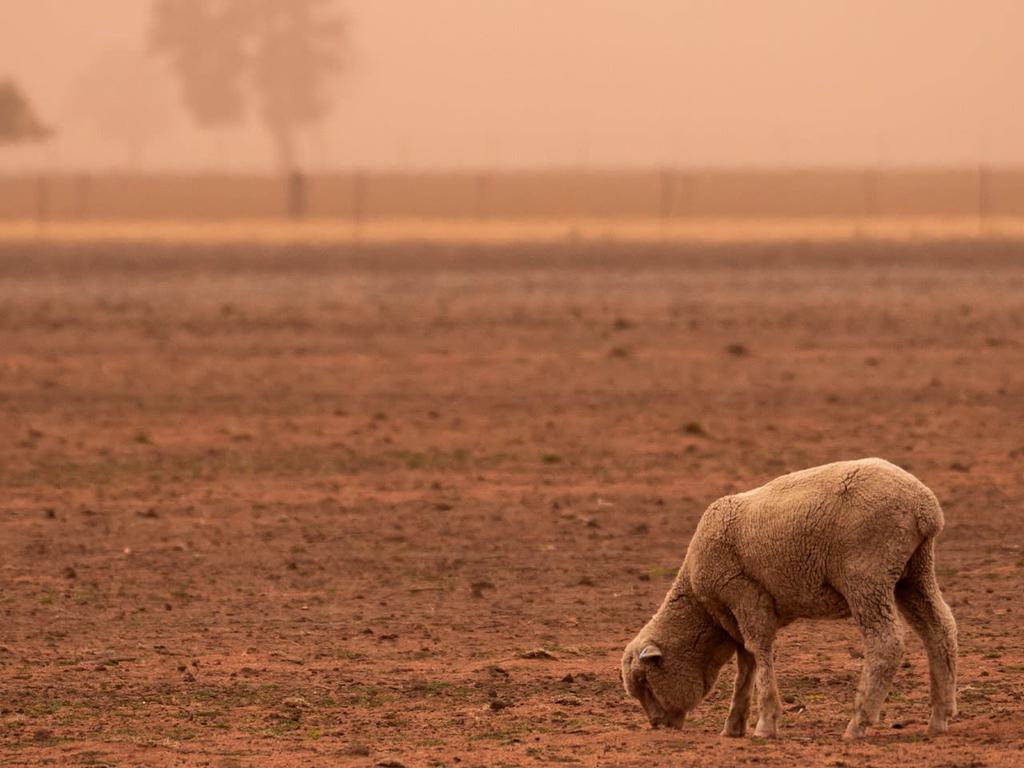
[{"x": 650, "y": 653}]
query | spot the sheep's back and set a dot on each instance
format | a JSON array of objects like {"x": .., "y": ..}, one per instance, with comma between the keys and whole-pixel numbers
[{"x": 805, "y": 536}]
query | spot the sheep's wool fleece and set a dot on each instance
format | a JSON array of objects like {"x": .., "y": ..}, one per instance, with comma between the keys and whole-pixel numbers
[{"x": 805, "y": 534}]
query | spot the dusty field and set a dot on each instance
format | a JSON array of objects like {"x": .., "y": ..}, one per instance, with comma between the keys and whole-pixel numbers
[{"x": 304, "y": 507}]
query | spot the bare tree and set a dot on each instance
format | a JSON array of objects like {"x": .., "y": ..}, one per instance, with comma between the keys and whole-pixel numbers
[
  {"x": 280, "y": 55},
  {"x": 18, "y": 120}
]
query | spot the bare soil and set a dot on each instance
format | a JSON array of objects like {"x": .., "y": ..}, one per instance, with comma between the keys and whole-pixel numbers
[{"x": 296, "y": 506}]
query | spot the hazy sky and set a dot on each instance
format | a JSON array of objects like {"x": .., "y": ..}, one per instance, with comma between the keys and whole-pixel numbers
[{"x": 526, "y": 83}]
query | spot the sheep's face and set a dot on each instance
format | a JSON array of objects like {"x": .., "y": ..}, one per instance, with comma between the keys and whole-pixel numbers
[{"x": 671, "y": 675}]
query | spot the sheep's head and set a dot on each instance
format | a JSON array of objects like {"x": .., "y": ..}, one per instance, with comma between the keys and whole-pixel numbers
[{"x": 674, "y": 661}]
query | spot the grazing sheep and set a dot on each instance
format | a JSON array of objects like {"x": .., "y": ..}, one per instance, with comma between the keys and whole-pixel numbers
[{"x": 853, "y": 538}]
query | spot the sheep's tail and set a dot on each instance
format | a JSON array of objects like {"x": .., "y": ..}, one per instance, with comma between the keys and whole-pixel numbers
[{"x": 930, "y": 520}]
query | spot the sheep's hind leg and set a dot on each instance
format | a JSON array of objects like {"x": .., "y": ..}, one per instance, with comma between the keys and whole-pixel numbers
[
  {"x": 736, "y": 723},
  {"x": 874, "y": 611},
  {"x": 920, "y": 601},
  {"x": 769, "y": 702}
]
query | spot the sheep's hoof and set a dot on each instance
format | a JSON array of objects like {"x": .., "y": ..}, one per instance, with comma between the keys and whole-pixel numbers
[
  {"x": 734, "y": 730},
  {"x": 854, "y": 731},
  {"x": 765, "y": 731}
]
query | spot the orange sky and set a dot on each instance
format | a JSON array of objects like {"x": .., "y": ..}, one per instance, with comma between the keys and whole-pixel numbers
[{"x": 527, "y": 83}]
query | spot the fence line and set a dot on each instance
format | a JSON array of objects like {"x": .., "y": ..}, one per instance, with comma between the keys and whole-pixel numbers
[{"x": 665, "y": 193}]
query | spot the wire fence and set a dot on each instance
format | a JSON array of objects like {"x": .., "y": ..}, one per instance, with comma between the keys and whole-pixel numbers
[{"x": 666, "y": 193}]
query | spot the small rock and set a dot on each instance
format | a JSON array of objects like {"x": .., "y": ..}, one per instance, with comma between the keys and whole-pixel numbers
[
  {"x": 477, "y": 587},
  {"x": 537, "y": 653},
  {"x": 737, "y": 350}
]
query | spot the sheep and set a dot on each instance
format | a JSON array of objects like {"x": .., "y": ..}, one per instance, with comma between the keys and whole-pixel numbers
[{"x": 852, "y": 538}]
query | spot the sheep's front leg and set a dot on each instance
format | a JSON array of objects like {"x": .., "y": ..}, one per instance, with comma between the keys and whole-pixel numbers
[
  {"x": 754, "y": 610},
  {"x": 736, "y": 724},
  {"x": 883, "y": 649}
]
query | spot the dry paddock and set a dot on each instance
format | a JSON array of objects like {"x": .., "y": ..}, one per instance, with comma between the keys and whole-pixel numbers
[{"x": 283, "y": 505}]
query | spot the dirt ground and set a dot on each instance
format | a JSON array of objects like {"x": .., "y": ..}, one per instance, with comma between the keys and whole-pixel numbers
[{"x": 405, "y": 506}]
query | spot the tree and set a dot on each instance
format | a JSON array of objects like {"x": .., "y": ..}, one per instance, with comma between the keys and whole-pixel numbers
[
  {"x": 278, "y": 53},
  {"x": 18, "y": 120}
]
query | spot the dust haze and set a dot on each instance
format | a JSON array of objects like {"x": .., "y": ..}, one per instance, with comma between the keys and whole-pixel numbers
[
  {"x": 366, "y": 367},
  {"x": 449, "y": 84}
]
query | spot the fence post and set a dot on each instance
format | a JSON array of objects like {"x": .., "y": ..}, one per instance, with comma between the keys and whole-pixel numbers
[
  {"x": 867, "y": 200},
  {"x": 296, "y": 195},
  {"x": 984, "y": 202},
  {"x": 483, "y": 182},
  {"x": 358, "y": 202},
  {"x": 42, "y": 200},
  {"x": 666, "y": 193},
  {"x": 83, "y": 189}
]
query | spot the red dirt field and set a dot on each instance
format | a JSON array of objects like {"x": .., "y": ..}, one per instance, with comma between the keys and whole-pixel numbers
[{"x": 405, "y": 506}]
